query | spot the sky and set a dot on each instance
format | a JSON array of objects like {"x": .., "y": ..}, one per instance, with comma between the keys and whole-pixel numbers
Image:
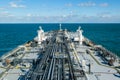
[{"x": 59, "y": 11}]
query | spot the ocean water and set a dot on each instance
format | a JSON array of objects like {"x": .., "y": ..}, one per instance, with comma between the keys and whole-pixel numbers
[{"x": 12, "y": 35}]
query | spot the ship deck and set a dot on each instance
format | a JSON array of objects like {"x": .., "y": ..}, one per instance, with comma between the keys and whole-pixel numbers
[{"x": 59, "y": 59}]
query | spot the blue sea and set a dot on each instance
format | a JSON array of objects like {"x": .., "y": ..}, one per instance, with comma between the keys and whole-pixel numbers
[{"x": 107, "y": 35}]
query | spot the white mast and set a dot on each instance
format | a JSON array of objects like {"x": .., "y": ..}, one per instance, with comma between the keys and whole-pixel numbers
[{"x": 60, "y": 27}]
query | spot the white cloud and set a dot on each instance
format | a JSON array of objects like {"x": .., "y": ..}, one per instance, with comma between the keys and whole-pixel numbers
[
  {"x": 6, "y": 14},
  {"x": 104, "y": 4},
  {"x": 19, "y": 0},
  {"x": 90, "y": 4},
  {"x": 30, "y": 18},
  {"x": 29, "y": 15},
  {"x": 1, "y": 8},
  {"x": 69, "y": 5},
  {"x": 104, "y": 15},
  {"x": 14, "y": 5},
  {"x": 86, "y": 4}
]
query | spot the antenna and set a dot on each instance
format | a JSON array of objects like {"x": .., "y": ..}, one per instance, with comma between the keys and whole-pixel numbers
[
  {"x": 60, "y": 27},
  {"x": 79, "y": 28},
  {"x": 40, "y": 27}
]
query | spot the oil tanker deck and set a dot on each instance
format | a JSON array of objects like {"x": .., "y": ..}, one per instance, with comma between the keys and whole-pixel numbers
[{"x": 60, "y": 55}]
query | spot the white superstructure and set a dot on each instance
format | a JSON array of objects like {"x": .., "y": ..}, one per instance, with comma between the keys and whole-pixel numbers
[
  {"x": 41, "y": 35},
  {"x": 79, "y": 35}
]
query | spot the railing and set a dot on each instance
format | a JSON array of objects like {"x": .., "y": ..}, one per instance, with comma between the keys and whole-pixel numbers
[
  {"x": 104, "y": 49},
  {"x": 11, "y": 52}
]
